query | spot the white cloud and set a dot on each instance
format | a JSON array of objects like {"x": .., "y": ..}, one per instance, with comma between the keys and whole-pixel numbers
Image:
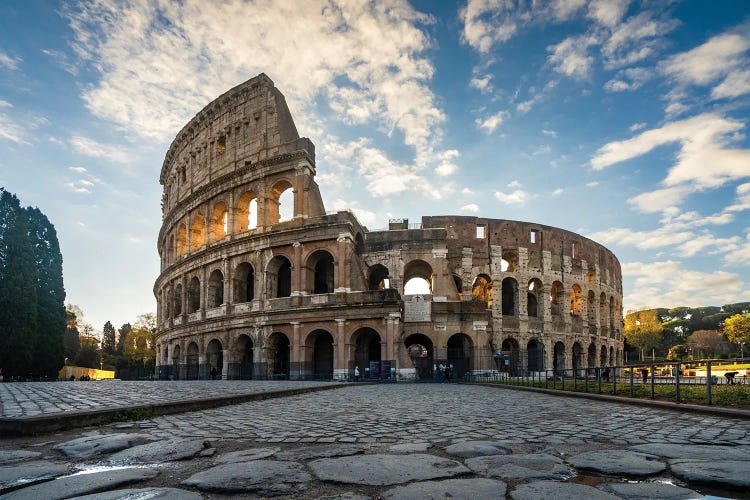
[
  {"x": 607, "y": 12},
  {"x": 81, "y": 187},
  {"x": 741, "y": 254},
  {"x": 447, "y": 165},
  {"x": 467, "y": 191},
  {"x": 570, "y": 57},
  {"x": 365, "y": 216},
  {"x": 517, "y": 197},
  {"x": 558, "y": 192},
  {"x": 710, "y": 61},
  {"x": 490, "y": 123},
  {"x": 482, "y": 83},
  {"x": 736, "y": 83},
  {"x": 80, "y": 170},
  {"x": 11, "y": 131},
  {"x": 90, "y": 147},
  {"x": 471, "y": 207},
  {"x": 550, "y": 133},
  {"x": 644, "y": 240},
  {"x": 542, "y": 150},
  {"x": 514, "y": 184},
  {"x": 637, "y": 126},
  {"x": 592, "y": 184},
  {"x": 743, "y": 199},
  {"x": 9, "y": 62},
  {"x": 5, "y": 104},
  {"x": 635, "y": 39},
  {"x": 660, "y": 200},
  {"x": 628, "y": 79}
]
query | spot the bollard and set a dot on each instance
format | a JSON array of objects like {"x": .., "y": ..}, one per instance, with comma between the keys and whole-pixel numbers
[{"x": 709, "y": 382}]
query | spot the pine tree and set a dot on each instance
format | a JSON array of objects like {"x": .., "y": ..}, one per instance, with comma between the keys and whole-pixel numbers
[
  {"x": 122, "y": 335},
  {"x": 49, "y": 351},
  {"x": 18, "y": 295},
  {"x": 108, "y": 338}
]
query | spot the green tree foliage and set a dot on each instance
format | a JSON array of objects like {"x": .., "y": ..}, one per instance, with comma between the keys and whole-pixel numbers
[
  {"x": 18, "y": 293},
  {"x": 89, "y": 355},
  {"x": 71, "y": 341},
  {"x": 678, "y": 351},
  {"x": 122, "y": 335},
  {"x": 706, "y": 343},
  {"x": 108, "y": 338},
  {"x": 737, "y": 328},
  {"x": 643, "y": 329}
]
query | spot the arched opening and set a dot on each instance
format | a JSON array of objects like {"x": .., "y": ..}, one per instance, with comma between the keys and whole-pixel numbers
[
  {"x": 576, "y": 301},
  {"x": 176, "y": 362},
  {"x": 556, "y": 298},
  {"x": 603, "y": 356},
  {"x": 214, "y": 360},
  {"x": 591, "y": 277},
  {"x": 219, "y": 220},
  {"x": 177, "y": 301},
  {"x": 509, "y": 262},
  {"x": 481, "y": 289},
  {"x": 591, "y": 361},
  {"x": 181, "y": 240},
  {"x": 510, "y": 297},
  {"x": 322, "y": 358},
  {"x": 197, "y": 232},
  {"x": 278, "y": 356},
  {"x": 611, "y": 316},
  {"x": 378, "y": 278},
  {"x": 612, "y": 361},
  {"x": 511, "y": 357},
  {"x": 460, "y": 355},
  {"x": 603, "y": 312},
  {"x": 215, "y": 296},
  {"x": 458, "y": 282},
  {"x": 244, "y": 283},
  {"x": 244, "y": 354},
  {"x": 191, "y": 362},
  {"x": 194, "y": 295},
  {"x": 591, "y": 312},
  {"x": 534, "y": 305},
  {"x": 417, "y": 278},
  {"x": 422, "y": 355},
  {"x": 246, "y": 214},
  {"x": 366, "y": 343},
  {"x": 281, "y": 202},
  {"x": 320, "y": 272},
  {"x": 577, "y": 358},
  {"x": 171, "y": 255},
  {"x": 279, "y": 273},
  {"x": 559, "y": 359},
  {"x": 535, "y": 354}
]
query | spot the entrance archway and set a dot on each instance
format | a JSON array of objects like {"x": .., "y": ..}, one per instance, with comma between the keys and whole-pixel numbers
[
  {"x": 511, "y": 357},
  {"x": 322, "y": 359},
  {"x": 278, "y": 356},
  {"x": 460, "y": 354},
  {"x": 191, "y": 360},
  {"x": 535, "y": 354},
  {"x": 244, "y": 354},
  {"x": 366, "y": 343},
  {"x": 176, "y": 362},
  {"x": 214, "y": 359},
  {"x": 577, "y": 358},
  {"x": 559, "y": 359},
  {"x": 422, "y": 355}
]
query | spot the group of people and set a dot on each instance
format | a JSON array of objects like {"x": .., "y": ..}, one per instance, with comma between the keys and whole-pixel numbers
[{"x": 444, "y": 372}]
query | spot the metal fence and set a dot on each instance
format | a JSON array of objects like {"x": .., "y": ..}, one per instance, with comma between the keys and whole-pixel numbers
[{"x": 708, "y": 382}]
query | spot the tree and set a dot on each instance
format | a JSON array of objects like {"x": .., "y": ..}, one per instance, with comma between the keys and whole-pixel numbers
[
  {"x": 108, "y": 338},
  {"x": 89, "y": 355},
  {"x": 737, "y": 330},
  {"x": 71, "y": 341},
  {"x": 678, "y": 351},
  {"x": 122, "y": 335},
  {"x": 707, "y": 342},
  {"x": 643, "y": 329}
]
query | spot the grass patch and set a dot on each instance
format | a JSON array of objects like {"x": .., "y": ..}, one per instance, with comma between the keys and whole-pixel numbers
[{"x": 133, "y": 414}]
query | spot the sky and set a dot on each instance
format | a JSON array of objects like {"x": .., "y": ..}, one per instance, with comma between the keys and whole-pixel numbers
[{"x": 623, "y": 121}]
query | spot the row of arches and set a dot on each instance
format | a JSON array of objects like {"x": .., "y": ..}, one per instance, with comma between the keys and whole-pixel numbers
[
  {"x": 219, "y": 219},
  {"x": 512, "y": 358}
]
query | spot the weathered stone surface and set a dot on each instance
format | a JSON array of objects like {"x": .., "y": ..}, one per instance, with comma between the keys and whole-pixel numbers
[
  {"x": 558, "y": 491},
  {"x": 410, "y": 448},
  {"x": 638, "y": 491},
  {"x": 629, "y": 463},
  {"x": 457, "y": 489},
  {"x": 317, "y": 452},
  {"x": 29, "y": 472},
  {"x": 89, "y": 446},
  {"x": 262, "y": 477},
  {"x": 733, "y": 473},
  {"x": 349, "y": 495},
  {"x": 695, "y": 451},
  {"x": 144, "y": 494},
  {"x": 82, "y": 484},
  {"x": 522, "y": 467},
  {"x": 161, "y": 451},
  {"x": 11, "y": 456},
  {"x": 384, "y": 470},
  {"x": 246, "y": 455},
  {"x": 470, "y": 449}
]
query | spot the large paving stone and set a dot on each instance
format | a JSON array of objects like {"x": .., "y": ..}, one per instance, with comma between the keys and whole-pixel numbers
[
  {"x": 11, "y": 456},
  {"x": 457, "y": 489},
  {"x": 410, "y": 448},
  {"x": 618, "y": 462},
  {"x": 385, "y": 470},
  {"x": 558, "y": 491},
  {"x": 246, "y": 455},
  {"x": 30, "y": 472},
  {"x": 83, "y": 484},
  {"x": 89, "y": 446},
  {"x": 644, "y": 491},
  {"x": 261, "y": 477},
  {"x": 168, "y": 450},
  {"x": 144, "y": 494},
  {"x": 695, "y": 451},
  {"x": 731, "y": 473},
  {"x": 470, "y": 449},
  {"x": 522, "y": 467},
  {"x": 309, "y": 453}
]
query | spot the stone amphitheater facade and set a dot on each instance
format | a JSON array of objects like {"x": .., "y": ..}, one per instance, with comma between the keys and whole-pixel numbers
[{"x": 245, "y": 292}]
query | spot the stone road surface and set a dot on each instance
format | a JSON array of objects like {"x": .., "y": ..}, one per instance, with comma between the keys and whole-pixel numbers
[
  {"x": 44, "y": 398},
  {"x": 391, "y": 441}
]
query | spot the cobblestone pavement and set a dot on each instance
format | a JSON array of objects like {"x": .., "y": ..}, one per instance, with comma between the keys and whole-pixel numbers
[
  {"x": 391, "y": 441},
  {"x": 42, "y": 398}
]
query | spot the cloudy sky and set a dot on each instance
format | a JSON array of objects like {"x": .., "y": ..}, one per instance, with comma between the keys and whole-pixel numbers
[{"x": 623, "y": 121}]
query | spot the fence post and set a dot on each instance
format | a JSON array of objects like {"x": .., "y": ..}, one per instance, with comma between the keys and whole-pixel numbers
[
  {"x": 709, "y": 382},
  {"x": 575, "y": 380},
  {"x": 554, "y": 380},
  {"x": 677, "y": 381},
  {"x": 631, "y": 381},
  {"x": 599, "y": 378},
  {"x": 586, "y": 379},
  {"x": 652, "y": 381},
  {"x": 614, "y": 380}
]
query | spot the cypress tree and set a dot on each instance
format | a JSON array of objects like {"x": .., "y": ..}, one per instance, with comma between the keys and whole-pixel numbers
[{"x": 108, "y": 338}]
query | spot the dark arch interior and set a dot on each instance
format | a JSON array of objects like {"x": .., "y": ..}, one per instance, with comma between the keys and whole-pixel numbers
[
  {"x": 366, "y": 350},
  {"x": 278, "y": 356},
  {"x": 559, "y": 359},
  {"x": 535, "y": 353},
  {"x": 378, "y": 275},
  {"x": 460, "y": 354},
  {"x": 323, "y": 279},
  {"x": 422, "y": 355},
  {"x": 323, "y": 356}
]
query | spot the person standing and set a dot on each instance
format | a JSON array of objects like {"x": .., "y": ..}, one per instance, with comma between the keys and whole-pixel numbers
[{"x": 356, "y": 373}]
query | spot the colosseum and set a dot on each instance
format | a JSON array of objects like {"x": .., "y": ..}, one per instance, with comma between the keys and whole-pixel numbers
[{"x": 259, "y": 281}]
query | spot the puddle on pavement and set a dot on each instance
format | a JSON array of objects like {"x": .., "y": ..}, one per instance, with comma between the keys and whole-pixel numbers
[
  {"x": 708, "y": 492},
  {"x": 91, "y": 469}
]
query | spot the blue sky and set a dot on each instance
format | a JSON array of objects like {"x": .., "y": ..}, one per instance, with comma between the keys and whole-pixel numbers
[{"x": 623, "y": 121}]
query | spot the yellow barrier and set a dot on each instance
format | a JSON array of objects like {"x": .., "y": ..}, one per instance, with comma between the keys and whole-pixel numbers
[{"x": 79, "y": 371}]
